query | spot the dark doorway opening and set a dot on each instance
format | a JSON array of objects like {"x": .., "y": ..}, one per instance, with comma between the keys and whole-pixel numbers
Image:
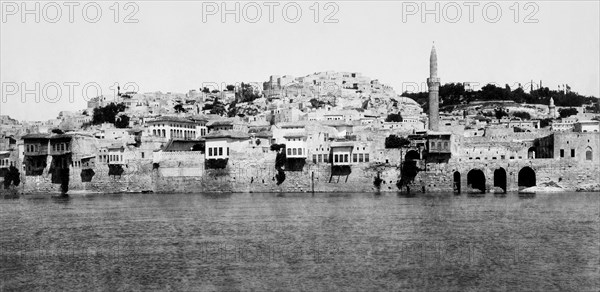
[
  {"x": 526, "y": 177},
  {"x": 456, "y": 182},
  {"x": 412, "y": 155},
  {"x": 500, "y": 179},
  {"x": 476, "y": 180}
]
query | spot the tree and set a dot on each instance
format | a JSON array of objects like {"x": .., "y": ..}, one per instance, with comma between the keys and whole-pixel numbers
[
  {"x": 452, "y": 93},
  {"x": 217, "y": 107},
  {"x": 567, "y": 112},
  {"x": 315, "y": 103},
  {"x": 500, "y": 113},
  {"x": 522, "y": 115},
  {"x": 122, "y": 122},
  {"x": 179, "y": 108},
  {"x": 394, "y": 141},
  {"x": 394, "y": 118},
  {"x": 108, "y": 113},
  {"x": 280, "y": 160},
  {"x": 246, "y": 93},
  {"x": 491, "y": 92},
  {"x": 277, "y": 147},
  {"x": 205, "y": 90},
  {"x": 545, "y": 123},
  {"x": 233, "y": 110},
  {"x": 230, "y": 87},
  {"x": 12, "y": 177},
  {"x": 408, "y": 173},
  {"x": 377, "y": 181}
]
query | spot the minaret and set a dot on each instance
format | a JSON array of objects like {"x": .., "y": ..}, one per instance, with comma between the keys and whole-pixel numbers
[
  {"x": 434, "y": 87},
  {"x": 552, "y": 108}
]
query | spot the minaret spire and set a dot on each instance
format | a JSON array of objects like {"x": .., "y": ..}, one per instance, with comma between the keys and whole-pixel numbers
[
  {"x": 434, "y": 86},
  {"x": 433, "y": 62}
]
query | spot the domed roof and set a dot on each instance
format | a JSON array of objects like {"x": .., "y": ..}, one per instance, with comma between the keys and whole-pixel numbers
[{"x": 407, "y": 100}]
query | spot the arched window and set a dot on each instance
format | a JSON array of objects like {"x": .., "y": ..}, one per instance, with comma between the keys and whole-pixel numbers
[
  {"x": 531, "y": 153},
  {"x": 588, "y": 153}
]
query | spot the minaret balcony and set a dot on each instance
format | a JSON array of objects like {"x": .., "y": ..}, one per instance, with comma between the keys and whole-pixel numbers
[{"x": 433, "y": 80}]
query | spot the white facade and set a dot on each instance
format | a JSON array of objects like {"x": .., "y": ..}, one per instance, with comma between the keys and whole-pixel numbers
[
  {"x": 217, "y": 148},
  {"x": 295, "y": 146},
  {"x": 587, "y": 126},
  {"x": 176, "y": 129}
]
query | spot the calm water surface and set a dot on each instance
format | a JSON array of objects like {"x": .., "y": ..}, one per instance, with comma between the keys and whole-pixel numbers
[{"x": 348, "y": 242}]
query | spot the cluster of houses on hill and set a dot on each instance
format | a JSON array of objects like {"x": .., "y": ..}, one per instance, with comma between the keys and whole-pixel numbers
[{"x": 334, "y": 133}]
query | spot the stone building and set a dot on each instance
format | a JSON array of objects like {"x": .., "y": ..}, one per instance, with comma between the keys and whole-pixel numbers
[{"x": 176, "y": 128}]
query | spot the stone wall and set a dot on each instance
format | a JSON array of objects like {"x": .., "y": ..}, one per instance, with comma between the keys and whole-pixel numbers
[{"x": 255, "y": 172}]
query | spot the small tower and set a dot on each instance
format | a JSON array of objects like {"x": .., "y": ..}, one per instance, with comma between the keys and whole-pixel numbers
[
  {"x": 434, "y": 87},
  {"x": 552, "y": 108}
]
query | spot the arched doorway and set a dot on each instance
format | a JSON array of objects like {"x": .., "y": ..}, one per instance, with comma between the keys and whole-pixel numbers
[
  {"x": 476, "y": 180},
  {"x": 526, "y": 177},
  {"x": 412, "y": 155},
  {"x": 456, "y": 182},
  {"x": 500, "y": 179}
]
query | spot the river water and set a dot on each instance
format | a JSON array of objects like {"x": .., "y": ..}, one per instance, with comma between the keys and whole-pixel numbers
[{"x": 286, "y": 242}]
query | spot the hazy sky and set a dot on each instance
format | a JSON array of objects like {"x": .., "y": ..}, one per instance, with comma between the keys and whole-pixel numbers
[{"x": 171, "y": 48}]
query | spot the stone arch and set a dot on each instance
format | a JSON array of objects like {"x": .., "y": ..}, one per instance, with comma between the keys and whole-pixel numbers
[
  {"x": 476, "y": 180},
  {"x": 589, "y": 154},
  {"x": 412, "y": 155},
  {"x": 531, "y": 153},
  {"x": 456, "y": 180},
  {"x": 526, "y": 177},
  {"x": 500, "y": 178}
]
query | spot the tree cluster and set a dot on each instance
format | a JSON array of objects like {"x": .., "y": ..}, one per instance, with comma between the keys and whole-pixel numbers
[
  {"x": 499, "y": 113},
  {"x": 12, "y": 177},
  {"x": 397, "y": 118},
  {"x": 394, "y": 141},
  {"x": 179, "y": 108},
  {"x": 522, "y": 115},
  {"x": 277, "y": 147},
  {"x": 246, "y": 93},
  {"x": 217, "y": 107},
  {"x": 122, "y": 122},
  {"x": 567, "y": 112},
  {"x": 108, "y": 113},
  {"x": 455, "y": 93},
  {"x": 545, "y": 123}
]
